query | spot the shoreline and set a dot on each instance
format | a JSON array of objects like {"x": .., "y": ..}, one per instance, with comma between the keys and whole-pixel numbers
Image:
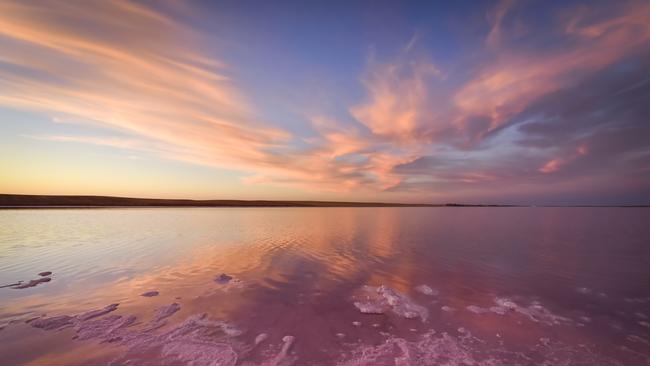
[
  {"x": 20, "y": 201},
  {"x": 54, "y": 201}
]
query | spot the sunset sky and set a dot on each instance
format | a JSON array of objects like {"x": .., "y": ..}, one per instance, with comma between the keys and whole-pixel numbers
[{"x": 535, "y": 102}]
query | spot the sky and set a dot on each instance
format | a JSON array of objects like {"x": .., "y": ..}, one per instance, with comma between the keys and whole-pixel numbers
[{"x": 521, "y": 102}]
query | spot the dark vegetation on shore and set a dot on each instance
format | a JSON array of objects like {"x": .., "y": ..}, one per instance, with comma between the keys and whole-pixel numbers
[
  {"x": 20, "y": 200},
  {"x": 53, "y": 201}
]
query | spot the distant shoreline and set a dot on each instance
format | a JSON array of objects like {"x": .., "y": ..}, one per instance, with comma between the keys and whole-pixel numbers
[
  {"x": 22, "y": 201},
  {"x": 69, "y": 201}
]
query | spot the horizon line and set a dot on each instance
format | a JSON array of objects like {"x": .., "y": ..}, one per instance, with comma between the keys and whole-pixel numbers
[{"x": 8, "y": 201}]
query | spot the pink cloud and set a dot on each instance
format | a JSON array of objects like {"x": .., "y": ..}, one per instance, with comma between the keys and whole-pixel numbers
[
  {"x": 496, "y": 16},
  {"x": 398, "y": 99},
  {"x": 507, "y": 85},
  {"x": 555, "y": 164}
]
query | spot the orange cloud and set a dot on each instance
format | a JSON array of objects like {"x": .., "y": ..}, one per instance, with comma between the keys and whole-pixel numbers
[
  {"x": 132, "y": 69},
  {"x": 398, "y": 100}
]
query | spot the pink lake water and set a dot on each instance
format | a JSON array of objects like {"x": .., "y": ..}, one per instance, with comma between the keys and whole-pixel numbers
[{"x": 325, "y": 286}]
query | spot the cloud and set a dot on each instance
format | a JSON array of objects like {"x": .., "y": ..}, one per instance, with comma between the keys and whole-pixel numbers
[
  {"x": 545, "y": 122},
  {"x": 556, "y": 163},
  {"x": 133, "y": 69},
  {"x": 539, "y": 120},
  {"x": 398, "y": 100},
  {"x": 141, "y": 73},
  {"x": 496, "y": 17},
  {"x": 515, "y": 79}
]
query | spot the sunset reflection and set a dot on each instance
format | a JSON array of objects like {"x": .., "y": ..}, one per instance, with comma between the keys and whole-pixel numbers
[{"x": 300, "y": 270}]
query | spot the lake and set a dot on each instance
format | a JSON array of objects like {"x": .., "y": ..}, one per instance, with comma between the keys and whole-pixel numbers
[{"x": 325, "y": 286}]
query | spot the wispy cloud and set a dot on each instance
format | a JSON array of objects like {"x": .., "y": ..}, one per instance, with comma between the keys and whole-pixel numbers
[
  {"x": 496, "y": 17},
  {"x": 137, "y": 71},
  {"x": 399, "y": 103},
  {"x": 127, "y": 67},
  {"x": 515, "y": 79}
]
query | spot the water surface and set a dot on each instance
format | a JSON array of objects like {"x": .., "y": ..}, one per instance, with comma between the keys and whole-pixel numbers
[{"x": 503, "y": 286}]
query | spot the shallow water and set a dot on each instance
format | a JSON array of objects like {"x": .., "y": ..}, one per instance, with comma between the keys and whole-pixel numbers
[{"x": 503, "y": 286}]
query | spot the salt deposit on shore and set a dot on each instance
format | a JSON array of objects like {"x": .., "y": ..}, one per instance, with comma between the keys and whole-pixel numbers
[
  {"x": 32, "y": 283},
  {"x": 200, "y": 340},
  {"x": 379, "y": 300},
  {"x": 426, "y": 290},
  {"x": 436, "y": 349},
  {"x": 95, "y": 313},
  {"x": 227, "y": 282},
  {"x": 197, "y": 341},
  {"x": 535, "y": 311},
  {"x": 222, "y": 278}
]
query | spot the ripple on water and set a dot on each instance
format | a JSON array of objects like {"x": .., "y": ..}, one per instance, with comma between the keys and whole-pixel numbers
[{"x": 100, "y": 257}]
